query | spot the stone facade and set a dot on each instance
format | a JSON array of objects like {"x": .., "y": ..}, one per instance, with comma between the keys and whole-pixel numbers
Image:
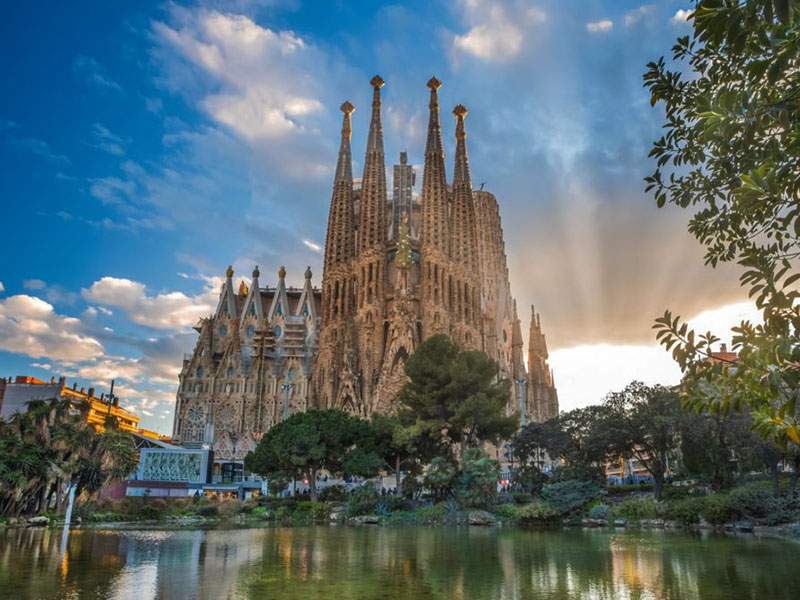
[{"x": 390, "y": 280}]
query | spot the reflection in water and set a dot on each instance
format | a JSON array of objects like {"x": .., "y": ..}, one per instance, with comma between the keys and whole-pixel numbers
[{"x": 366, "y": 563}]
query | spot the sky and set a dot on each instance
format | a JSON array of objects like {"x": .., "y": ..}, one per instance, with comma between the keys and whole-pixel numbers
[{"x": 145, "y": 146}]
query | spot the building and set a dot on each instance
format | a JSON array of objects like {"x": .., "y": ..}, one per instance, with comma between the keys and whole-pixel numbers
[
  {"x": 394, "y": 274},
  {"x": 15, "y": 395}
]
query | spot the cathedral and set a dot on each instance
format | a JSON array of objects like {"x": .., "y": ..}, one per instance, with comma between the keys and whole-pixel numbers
[{"x": 396, "y": 271}]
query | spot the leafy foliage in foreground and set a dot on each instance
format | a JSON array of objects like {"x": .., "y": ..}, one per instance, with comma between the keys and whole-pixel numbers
[{"x": 730, "y": 153}]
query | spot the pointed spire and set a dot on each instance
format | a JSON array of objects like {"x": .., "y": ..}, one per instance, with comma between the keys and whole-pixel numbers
[
  {"x": 435, "y": 231},
  {"x": 344, "y": 166},
  {"x": 227, "y": 299},
  {"x": 339, "y": 243},
  {"x": 464, "y": 240},
  {"x": 461, "y": 171},
  {"x": 372, "y": 222}
]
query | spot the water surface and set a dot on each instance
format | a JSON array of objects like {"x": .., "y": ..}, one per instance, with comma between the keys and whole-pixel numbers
[{"x": 363, "y": 563}]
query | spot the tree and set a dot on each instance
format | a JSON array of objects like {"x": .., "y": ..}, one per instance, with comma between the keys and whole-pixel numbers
[
  {"x": 730, "y": 153},
  {"x": 440, "y": 477},
  {"x": 531, "y": 444},
  {"x": 49, "y": 448},
  {"x": 304, "y": 444},
  {"x": 454, "y": 397},
  {"x": 477, "y": 482},
  {"x": 644, "y": 422},
  {"x": 584, "y": 446},
  {"x": 382, "y": 445}
]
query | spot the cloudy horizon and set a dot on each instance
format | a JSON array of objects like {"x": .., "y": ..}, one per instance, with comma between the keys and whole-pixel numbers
[{"x": 147, "y": 148}]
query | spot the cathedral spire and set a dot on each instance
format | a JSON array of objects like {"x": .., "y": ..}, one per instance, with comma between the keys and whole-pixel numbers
[
  {"x": 463, "y": 245},
  {"x": 461, "y": 170},
  {"x": 434, "y": 183},
  {"x": 339, "y": 247},
  {"x": 372, "y": 221}
]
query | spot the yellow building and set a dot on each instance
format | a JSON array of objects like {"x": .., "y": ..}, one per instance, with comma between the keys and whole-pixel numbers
[{"x": 15, "y": 395}]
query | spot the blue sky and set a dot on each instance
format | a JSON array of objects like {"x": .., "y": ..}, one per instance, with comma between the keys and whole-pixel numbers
[{"x": 145, "y": 146}]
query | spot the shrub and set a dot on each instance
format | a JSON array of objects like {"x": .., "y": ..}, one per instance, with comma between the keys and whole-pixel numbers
[
  {"x": 686, "y": 511},
  {"x": 522, "y": 497},
  {"x": 753, "y": 501},
  {"x": 333, "y": 493},
  {"x": 307, "y": 511},
  {"x": 477, "y": 484},
  {"x": 636, "y": 508},
  {"x": 208, "y": 510},
  {"x": 537, "y": 513},
  {"x": 362, "y": 501},
  {"x": 570, "y": 495},
  {"x": 628, "y": 488},
  {"x": 716, "y": 509},
  {"x": 599, "y": 511},
  {"x": 507, "y": 512},
  {"x": 434, "y": 514}
]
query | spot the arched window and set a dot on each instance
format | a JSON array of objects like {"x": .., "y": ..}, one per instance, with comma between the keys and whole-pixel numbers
[
  {"x": 199, "y": 372},
  {"x": 251, "y": 331},
  {"x": 229, "y": 373},
  {"x": 278, "y": 331},
  {"x": 223, "y": 331}
]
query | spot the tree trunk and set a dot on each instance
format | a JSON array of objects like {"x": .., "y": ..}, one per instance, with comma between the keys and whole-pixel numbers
[
  {"x": 312, "y": 484},
  {"x": 658, "y": 484},
  {"x": 775, "y": 476},
  {"x": 398, "y": 488}
]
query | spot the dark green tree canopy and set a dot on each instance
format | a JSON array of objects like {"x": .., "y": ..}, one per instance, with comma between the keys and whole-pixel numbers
[{"x": 454, "y": 396}]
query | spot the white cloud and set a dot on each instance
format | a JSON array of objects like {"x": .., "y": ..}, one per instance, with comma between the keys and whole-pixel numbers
[
  {"x": 601, "y": 26},
  {"x": 33, "y": 284},
  {"x": 681, "y": 16},
  {"x": 263, "y": 78},
  {"x": 585, "y": 374},
  {"x": 312, "y": 246},
  {"x": 107, "y": 141},
  {"x": 30, "y": 326},
  {"x": 2, "y": 287},
  {"x": 495, "y": 35},
  {"x": 170, "y": 310},
  {"x": 94, "y": 73},
  {"x": 634, "y": 16}
]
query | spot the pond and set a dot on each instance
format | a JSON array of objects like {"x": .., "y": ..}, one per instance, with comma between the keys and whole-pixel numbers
[{"x": 380, "y": 562}]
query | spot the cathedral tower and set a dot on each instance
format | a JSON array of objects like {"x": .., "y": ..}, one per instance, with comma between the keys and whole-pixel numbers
[
  {"x": 369, "y": 266},
  {"x": 338, "y": 283},
  {"x": 464, "y": 281},
  {"x": 434, "y": 228},
  {"x": 542, "y": 395}
]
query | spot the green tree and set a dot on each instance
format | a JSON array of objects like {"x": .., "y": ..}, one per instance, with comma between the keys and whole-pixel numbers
[
  {"x": 477, "y": 483},
  {"x": 730, "y": 153},
  {"x": 383, "y": 445},
  {"x": 531, "y": 446},
  {"x": 584, "y": 445},
  {"x": 454, "y": 397},
  {"x": 48, "y": 448},
  {"x": 440, "y": 477},
  {"x": 304, "y": 444},
  {"x": 644, "y": 422}
]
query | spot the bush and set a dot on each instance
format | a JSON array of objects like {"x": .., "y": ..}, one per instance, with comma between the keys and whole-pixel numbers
[
  {"x": 308, "y": 511},
  {"x": 434, "y": 514},
  {"x": 686, "y": 511},
  {"x": 333, "y": 493},
  {"x": 507, "y": 512},
  {"x": 752, "y": 501},
  {"x": 599, "y": 511},
  {"x": 477, "y": 484},
  {"x": 636, "y": 508},
  {"x": 716, "y": 509},
  {"x": 362, "y": 501},
  {"x": 208, "y": 510},
  {"x": 628, "y": 488},
  {"x": 522, "y": 497},
  {"x": 570, "y": 495},
  {"x": 537, "y": 513}
]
